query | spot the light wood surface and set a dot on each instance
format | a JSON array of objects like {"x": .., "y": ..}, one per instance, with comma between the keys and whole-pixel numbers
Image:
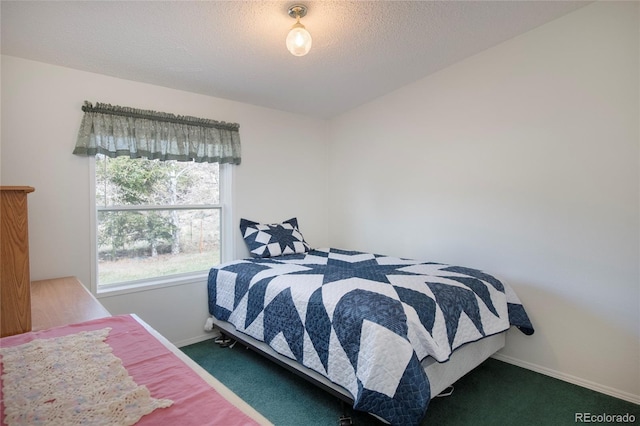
[
  {"x": 15, "y": 296},
  {"x": 62, "y": 301},
  {"x": 25, "y": 189}
]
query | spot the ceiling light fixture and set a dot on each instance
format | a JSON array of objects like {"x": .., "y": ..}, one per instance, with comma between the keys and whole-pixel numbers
[{"x": 299, "y": 39}]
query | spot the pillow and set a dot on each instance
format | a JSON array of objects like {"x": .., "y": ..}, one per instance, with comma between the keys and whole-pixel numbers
[{"x": 275, "y": 239}]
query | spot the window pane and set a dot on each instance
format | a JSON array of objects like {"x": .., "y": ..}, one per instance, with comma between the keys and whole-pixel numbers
[
  {"x": 143, "y": 244},
  {"x": 126, "y": 181}
]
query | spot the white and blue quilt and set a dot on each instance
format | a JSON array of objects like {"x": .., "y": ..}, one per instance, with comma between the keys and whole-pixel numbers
[{"x": 365, "y": 321}]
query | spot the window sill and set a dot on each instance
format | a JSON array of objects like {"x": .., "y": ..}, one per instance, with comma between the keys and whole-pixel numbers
[{"x": 153, "y": 284}]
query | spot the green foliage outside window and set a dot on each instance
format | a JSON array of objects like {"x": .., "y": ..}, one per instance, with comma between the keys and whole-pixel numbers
[{"x": 148, "y": 209}]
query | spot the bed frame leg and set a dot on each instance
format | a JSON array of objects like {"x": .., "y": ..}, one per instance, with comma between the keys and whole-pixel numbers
[
  {"x": 447, "y": 392},
  {"x": 224, "y": 341},
  {"x": 345, "y": 419}
]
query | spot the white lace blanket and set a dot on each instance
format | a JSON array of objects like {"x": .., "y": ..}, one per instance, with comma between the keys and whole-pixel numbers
[{"x": 71, "y": 380}]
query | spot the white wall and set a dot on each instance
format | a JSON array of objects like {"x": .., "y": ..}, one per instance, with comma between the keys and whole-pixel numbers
[
  {"x": 283, "y": 174},
  {"x": 522, "y": 161}
]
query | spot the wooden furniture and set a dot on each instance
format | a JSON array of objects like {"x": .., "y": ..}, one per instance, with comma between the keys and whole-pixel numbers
[
  {"x": 63, "y": 301},
  {"x": 15, "y": 297}
]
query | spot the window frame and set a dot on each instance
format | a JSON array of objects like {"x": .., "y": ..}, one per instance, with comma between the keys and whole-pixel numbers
[{"x": 226, "y": 172}]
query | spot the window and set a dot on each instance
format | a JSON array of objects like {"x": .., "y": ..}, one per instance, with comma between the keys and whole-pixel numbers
[
  {"x": 156, "y": 219},
  {"x": 161, "y": 183}
]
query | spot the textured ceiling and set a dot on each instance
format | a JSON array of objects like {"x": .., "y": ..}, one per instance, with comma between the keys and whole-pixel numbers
[{"x": 236, "y": 49}]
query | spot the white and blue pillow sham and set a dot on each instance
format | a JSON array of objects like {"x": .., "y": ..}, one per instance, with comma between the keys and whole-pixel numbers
[{"x": 271, "y": 240}]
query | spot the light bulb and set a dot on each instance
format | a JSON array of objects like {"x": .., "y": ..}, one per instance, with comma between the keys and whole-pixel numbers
[{"x": 299, "y": 40}]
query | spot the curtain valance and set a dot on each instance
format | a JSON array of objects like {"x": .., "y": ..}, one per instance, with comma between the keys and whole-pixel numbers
[{"x": 122, "y": 131}]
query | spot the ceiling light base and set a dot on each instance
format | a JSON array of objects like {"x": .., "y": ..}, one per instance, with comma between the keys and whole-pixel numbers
[{"x": 297, "y": 10}]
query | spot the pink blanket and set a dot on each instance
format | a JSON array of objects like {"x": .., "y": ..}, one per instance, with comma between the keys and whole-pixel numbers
[{"x": 150, "y": 363}]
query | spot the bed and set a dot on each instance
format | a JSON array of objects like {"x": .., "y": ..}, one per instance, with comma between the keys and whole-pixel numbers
[
  {"x": 384, "y": 333},
  {"x": 115, "y": 370}
]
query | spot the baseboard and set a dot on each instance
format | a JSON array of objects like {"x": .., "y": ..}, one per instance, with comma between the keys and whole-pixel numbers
[
  {"x": 570, "y": 379},
  {"x": 197, "y": 339}
]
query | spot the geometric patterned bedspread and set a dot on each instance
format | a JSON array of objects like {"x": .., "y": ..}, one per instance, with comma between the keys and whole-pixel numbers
[{"x": 364, "y": 321}]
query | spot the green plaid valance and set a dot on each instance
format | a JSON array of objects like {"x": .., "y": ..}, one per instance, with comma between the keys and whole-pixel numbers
[{"x": 118, "y": 131}]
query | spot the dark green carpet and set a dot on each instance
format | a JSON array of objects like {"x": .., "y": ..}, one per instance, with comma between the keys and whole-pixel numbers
[{"x": 494, "y": 394}]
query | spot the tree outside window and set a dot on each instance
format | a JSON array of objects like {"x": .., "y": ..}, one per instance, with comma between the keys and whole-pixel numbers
[{"x": 155, "y": 218}]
